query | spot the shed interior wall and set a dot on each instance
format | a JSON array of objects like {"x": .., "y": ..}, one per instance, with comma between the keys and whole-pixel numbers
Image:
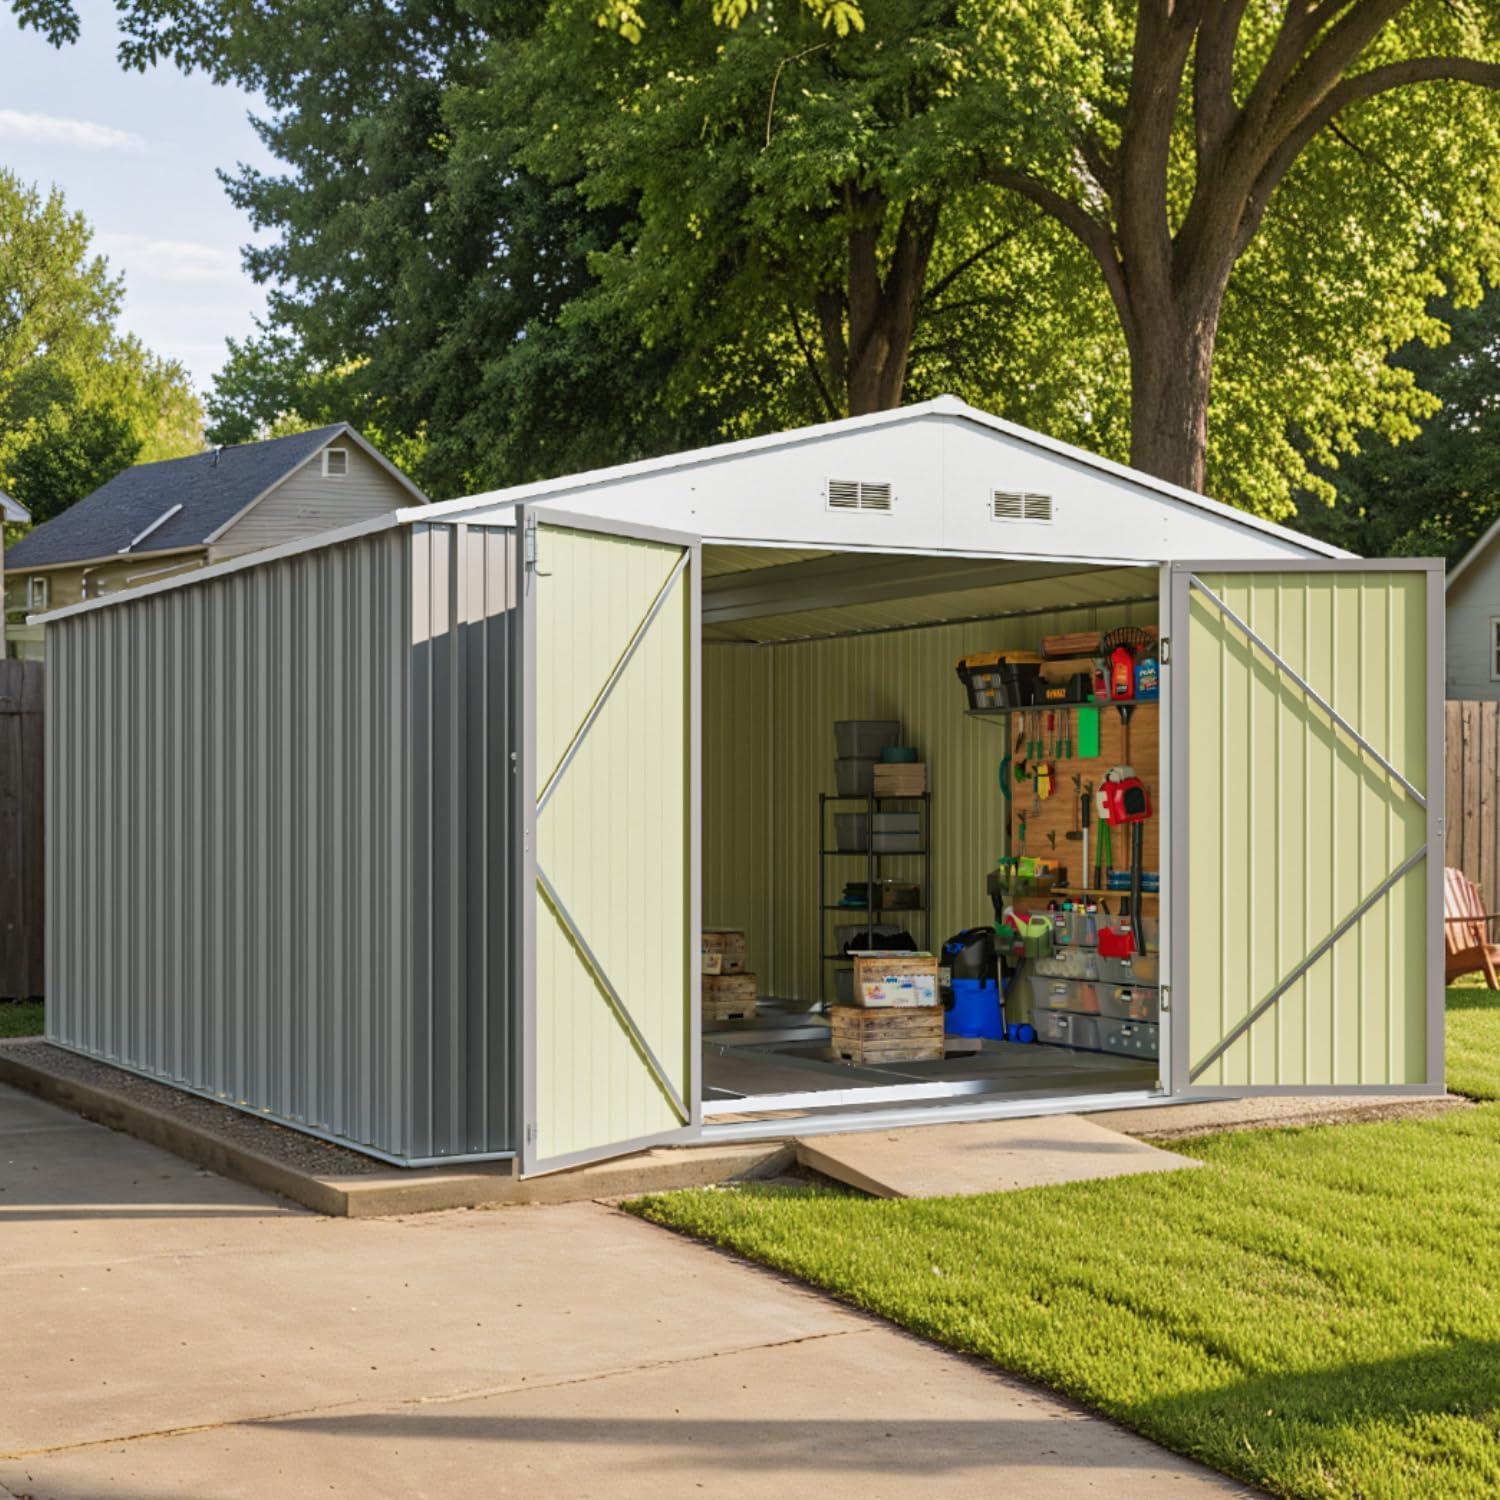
[{"x": 768, "y": 750}]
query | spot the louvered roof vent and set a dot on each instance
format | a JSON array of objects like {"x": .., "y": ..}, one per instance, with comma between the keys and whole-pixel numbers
[
  {"x": 860, "y": 494},
  {"x": 1017, "y": 505}
]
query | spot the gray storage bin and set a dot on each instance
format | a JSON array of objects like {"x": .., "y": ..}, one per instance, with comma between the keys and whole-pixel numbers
[
  {"x": 1131, "y": 1039},
  {"x": 855, "y": 777},
  {"x": 865, "y": 738},
  {"x": 851, "y": 832},
  {"x": 1064, "y": 994},
  {"x": 1068, "y": 963},
  {"x": 897, "y": 843},
  {"x": 1061, "y": 1029},
  {"x": 1144, "y": 968},
  {"x": 1125, "y": 1002},
  {"x": 888, "y": 822}
]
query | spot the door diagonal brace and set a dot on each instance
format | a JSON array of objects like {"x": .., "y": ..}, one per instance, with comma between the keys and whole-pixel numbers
[
  {"x": 612, "y": 995},
  {"x": 641, "y": 631},
  {"x": 1307, "y": 688},
  {"x": 1242, "y": 1026}
]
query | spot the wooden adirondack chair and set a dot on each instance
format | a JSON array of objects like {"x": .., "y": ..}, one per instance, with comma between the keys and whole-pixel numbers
[{"x": 1466, "y": 930}]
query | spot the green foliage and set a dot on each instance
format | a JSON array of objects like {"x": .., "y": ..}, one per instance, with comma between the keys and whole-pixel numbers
[
  {"x": 78, "y": 400},
  {"x": 1435, "y": 494},
  {"x": 652, "y": 212},
  {"x": 749, "y": 156}
]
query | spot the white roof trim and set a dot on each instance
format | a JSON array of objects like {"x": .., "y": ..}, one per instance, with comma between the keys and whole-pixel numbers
[
  {"x": 141, "y": 536},
  {"x": 1490, "y": 533},
  {"x": 940, "y": 406}
]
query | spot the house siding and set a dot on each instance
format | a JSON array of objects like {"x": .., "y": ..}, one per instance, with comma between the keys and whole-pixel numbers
[
  {"x": 66, "y": 586},
  {"x": 306, "y": 502},
  {"x": 1472, "y": 602}
]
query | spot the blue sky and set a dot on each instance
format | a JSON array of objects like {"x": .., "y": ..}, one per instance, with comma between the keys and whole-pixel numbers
[{"x": 137, "y": 154}]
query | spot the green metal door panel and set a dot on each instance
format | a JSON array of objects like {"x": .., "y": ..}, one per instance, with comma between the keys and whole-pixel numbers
[
  {"x": 610, "y": 1033},
  {"x": 1306, "y": 897}
]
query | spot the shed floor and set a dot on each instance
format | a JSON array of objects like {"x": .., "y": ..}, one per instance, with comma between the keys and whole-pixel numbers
[{"x": 786, "y": 1053}]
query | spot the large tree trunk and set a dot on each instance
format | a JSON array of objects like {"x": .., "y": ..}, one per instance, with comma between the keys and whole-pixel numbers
[
  {"x": 1171, "y": 372},
  {"x": 869, "y": 325}
]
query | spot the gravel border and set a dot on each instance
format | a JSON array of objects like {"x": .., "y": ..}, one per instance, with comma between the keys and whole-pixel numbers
[{"x": 235, "y": 1127}]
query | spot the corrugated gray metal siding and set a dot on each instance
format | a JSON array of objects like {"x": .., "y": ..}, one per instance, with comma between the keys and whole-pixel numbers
[
  {"x": 463, "y": 958},
  {"x": 261, "y": 873}
]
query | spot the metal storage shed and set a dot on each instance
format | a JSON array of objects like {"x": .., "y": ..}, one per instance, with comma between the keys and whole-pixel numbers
[{"x": 397, "y": 836}]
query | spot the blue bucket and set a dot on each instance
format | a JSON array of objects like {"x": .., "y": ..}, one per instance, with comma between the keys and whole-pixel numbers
[{"x": 976, "y": 1010}]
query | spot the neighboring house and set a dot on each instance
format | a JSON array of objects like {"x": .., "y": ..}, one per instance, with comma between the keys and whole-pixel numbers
[
  {"x": 1473, "y": 618},
  {"x": 155, "y": 520},
  {"x": 11, "y": 512}
]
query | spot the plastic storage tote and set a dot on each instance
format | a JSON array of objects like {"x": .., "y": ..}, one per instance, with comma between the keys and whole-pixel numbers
[
  {"x": 1124, "y": 1002},
  {"x": 851, "y": 832},
  {"x": 855, "y": 777},
  {"x": 1064, "y": 994},
  {"x": 1131, "y": 1038},
  {"x": 1140, "y": 968},
  {"x": 865, "y": 738},
  {"x": 1061, "y": 1029},
  {"x": 1068, "y": 963}
]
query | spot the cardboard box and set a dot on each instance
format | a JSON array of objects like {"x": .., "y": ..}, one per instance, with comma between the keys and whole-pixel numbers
[
  {"x": 895, "y": 980},
  {"x": 907, "y": 779}
]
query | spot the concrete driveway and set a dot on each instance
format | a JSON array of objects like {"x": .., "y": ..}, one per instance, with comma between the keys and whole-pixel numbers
[{"x": 171, "y": 1334}]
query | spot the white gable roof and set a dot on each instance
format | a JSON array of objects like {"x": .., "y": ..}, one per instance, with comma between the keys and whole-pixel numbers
[{"x": 943, "y": 460}]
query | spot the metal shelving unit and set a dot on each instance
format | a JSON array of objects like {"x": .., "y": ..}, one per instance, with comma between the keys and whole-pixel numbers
[{"x": 870, "y": 913}]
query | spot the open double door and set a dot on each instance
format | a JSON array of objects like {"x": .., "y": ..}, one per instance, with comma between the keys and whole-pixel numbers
[{"x": 1302, "y": 790}]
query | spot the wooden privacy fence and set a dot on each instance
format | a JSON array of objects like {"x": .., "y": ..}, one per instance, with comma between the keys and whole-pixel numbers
[
  {"x": 21, "y": 861},
  {"x": 1473, "y": 794}
]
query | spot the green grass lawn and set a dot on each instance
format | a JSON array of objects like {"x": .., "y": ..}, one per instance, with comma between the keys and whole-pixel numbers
[
  {"x": 1474, "y": 1040},
  {"x": 1316, "y": 1311},
  {"x": 20, "y": 1018}
]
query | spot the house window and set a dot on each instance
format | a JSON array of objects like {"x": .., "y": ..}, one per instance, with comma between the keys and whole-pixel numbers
[
  {"x": 38, "y": 591},
  {"x": 335, "y": 463},
  {"x": 1495, "y": 648}
]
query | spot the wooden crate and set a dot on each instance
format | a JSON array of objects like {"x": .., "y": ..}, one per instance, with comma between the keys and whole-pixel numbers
[
  {"x": 723, "y": 951},
  {"x": 728, "y": 997},
  {"x": 893, "y": 1034},
  {"x": 903, "y": 981},
  {"x": 908, "y": 780}
]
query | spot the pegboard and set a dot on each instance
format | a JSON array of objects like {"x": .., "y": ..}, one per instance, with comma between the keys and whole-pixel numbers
[{"x": 1048, "y": 823}]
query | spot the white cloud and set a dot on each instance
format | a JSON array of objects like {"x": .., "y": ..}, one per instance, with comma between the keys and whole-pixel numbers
[
  {"x": 140, "y": 256},
  {"x": 56, "y": 130}
]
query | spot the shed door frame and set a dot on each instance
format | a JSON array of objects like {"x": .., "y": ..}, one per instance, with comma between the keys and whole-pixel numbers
[
  {"x": 527, "y": 885},
  {"x": 1178, "y": 580}
]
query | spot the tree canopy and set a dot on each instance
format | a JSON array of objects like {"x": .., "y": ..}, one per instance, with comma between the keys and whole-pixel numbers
[
  {"x": 79, "y": 400},
  {"x": 1432, "y": 496},
  {"x": 526, "y": 240}
]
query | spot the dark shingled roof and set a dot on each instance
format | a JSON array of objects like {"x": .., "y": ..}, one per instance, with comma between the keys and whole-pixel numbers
[{"x": 209, "y": 493}]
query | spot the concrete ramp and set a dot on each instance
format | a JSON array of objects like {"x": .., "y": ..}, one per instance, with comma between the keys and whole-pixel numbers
[{"x": 987, "y": 1156}]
